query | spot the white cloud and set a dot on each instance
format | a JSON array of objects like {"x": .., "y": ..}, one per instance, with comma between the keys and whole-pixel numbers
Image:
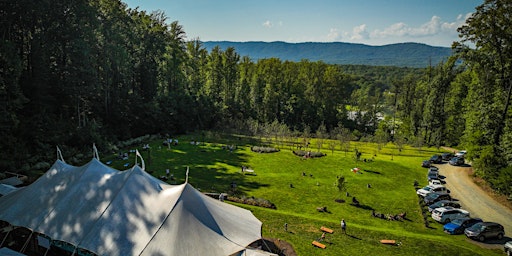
[
  {"x": 267, "y": 24},
  {"x": 360, "y": 33},
  {"x": 435, "y": 31},
  {"x": 334, "y": 35},
  {"x": 435, "y": 26},
  {"x": 397, "y": 29}
]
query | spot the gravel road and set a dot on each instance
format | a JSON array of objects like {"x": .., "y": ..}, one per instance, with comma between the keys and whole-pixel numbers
[{"x": 476, "y": 200}]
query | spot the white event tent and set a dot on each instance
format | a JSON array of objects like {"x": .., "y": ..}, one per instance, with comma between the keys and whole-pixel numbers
[{"x": 111, "y": 212}]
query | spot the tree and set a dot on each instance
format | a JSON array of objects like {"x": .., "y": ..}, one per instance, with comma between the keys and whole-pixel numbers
[
  {"x": 341, "y": 184},
  {"x": 489, "y": 30},
  {"x": 321, "y": 133}
]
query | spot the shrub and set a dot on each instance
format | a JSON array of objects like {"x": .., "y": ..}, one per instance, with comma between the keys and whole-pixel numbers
[
  {"x": 264, "y": 149},
  {"x": 252, "y": 201},
  {"x": 311, "y": 154}
]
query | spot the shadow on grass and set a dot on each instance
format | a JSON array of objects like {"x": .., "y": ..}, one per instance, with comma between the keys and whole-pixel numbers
[
  {"x": 362, "y": 206},
  {"x": 354, "y": 237},
  {"x": 370, "y": 171}
]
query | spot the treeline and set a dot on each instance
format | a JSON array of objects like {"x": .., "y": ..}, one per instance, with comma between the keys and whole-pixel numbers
[{"x": 77, "y": 72}]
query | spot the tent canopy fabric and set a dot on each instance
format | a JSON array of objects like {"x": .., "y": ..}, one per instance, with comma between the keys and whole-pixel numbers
[
  {"x": 130, "y": 212},
  {"x": 6, "y": 189}
]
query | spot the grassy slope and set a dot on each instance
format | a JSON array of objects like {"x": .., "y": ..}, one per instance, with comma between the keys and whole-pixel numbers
[{"x": 213, "y": 168}]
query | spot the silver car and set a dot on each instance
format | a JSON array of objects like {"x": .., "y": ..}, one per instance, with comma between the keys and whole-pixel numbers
[{"x": 508, "y": 248}]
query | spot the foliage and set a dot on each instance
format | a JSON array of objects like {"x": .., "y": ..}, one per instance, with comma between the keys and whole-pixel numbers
[
  {"x": 264, "y": 149},
  {"x": 401, "y": 55},
  {"x": 252, "y": 201},
  {"x": 341, "y": 184},
  {"x": 308, "y": 154},
  {"x": 84, "y": 72}
]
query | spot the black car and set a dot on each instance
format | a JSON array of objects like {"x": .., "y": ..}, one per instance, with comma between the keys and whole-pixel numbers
[
  {"x": 443, "y": 203},
  {"x": 484, "y": 230},
  {"x": 433, "y": 168},
  {"x": 457, "y": 161},
  {"x": 436, "y": 159},
  {"x": 434, "y": 197},
  {"x": 425, "y": 163},
  {"x": 446, "y": 156}
]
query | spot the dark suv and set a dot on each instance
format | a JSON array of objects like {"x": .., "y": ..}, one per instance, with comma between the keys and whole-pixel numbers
[
  {"x": 436, "y": 159},
  {"x": 456, "y": 161},
  {"x": 483, "y": 230},
  {"x": 434, "y": 197},
  {"x": 446, "y": 156}
]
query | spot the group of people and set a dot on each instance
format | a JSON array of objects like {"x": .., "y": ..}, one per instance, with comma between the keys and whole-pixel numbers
[
  {"x": 170, "y": 142},
  {"x": 400, "y": 216}
]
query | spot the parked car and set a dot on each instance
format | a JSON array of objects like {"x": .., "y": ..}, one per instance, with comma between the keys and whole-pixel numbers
[
  {"x": 443, "y": 203},
  {"x": 425, "y": 163},
  {"x": 484, "y": 230},
  {"x": 436, "y": 159},
  {"x": 461, "y": 153},
  {"x": 433, "y": 182},
  {"x": 434, "y": 197},
  {"x": 432, "y": 189},
  {"x": 508, "y": 248},
  {"x": 457, "y": 161},
  {"x": 458, "y": 226},
  {"x": 447, "y": 214},
  {"x": 446, "y": 156},
  {"x": 433, "y": 168},
  {"x": 432, "y": 174}
]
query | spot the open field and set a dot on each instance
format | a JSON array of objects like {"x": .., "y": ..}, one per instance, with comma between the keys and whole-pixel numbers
[{"x": 279, "y": 178}]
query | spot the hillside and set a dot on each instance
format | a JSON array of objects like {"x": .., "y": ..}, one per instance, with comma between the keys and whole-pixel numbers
[{"x": 402, "y": 55}]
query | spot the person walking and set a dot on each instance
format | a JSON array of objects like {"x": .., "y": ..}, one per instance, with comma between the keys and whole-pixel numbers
[{"x": 343, "y": 226}]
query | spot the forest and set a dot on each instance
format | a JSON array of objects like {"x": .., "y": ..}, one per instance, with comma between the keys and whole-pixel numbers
[{"x": 78, "y": 72}]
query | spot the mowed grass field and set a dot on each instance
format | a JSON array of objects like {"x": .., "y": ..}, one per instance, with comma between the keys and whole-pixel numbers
[{"x": 391, "y": 174}]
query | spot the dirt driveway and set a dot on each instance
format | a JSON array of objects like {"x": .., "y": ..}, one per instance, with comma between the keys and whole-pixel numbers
[{"x": 474, "y": 199}]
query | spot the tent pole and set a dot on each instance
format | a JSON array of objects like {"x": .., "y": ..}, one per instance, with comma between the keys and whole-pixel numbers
[
  {"x": 5, "y": 238},
  {"x": 266, "y": 245},
  {"x": 26, "y": 242},
  {"x": 74, "y": 251},
  {"x": 47, "y": 250}
]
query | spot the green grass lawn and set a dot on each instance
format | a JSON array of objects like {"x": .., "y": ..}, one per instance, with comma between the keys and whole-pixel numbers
[{"x": 390, "y": 173}]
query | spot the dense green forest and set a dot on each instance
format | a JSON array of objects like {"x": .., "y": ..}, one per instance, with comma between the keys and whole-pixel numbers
[{"x": 77, "y": 72}]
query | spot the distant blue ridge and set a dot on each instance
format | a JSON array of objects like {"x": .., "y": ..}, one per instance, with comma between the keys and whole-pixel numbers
[{"x": 401, "y": 55}]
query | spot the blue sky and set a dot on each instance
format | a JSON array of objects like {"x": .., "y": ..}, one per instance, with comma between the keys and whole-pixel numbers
[{"x": 373, "y": 22}]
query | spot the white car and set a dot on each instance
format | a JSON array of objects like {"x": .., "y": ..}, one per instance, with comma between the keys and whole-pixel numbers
[
  {"x": 447, "y": 214},
  {"x": 432, "y": 189},
  {"x": 461, "y": 153},
  {"x": 434, "y": 182}
]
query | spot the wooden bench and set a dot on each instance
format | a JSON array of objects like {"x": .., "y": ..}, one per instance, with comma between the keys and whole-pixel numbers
[
  {"x": 328, "y": 230},
  {"x": 392, "y": 242},
  {"x": 318, "y": 244}
]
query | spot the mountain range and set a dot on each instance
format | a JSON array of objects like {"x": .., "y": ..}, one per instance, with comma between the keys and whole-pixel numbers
[{"x": 401, "y": 54}]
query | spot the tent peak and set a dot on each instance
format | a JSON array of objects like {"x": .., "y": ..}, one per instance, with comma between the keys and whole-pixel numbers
[
  {"x": 95, "y": 152},
  {"x": 59, "y": 155}
]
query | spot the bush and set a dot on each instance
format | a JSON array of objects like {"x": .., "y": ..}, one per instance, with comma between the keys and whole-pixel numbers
[
  {"x": 264, "y": 149},
  {"x": 252, "y": 201},
  {"x": 308, "y": 154}
]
